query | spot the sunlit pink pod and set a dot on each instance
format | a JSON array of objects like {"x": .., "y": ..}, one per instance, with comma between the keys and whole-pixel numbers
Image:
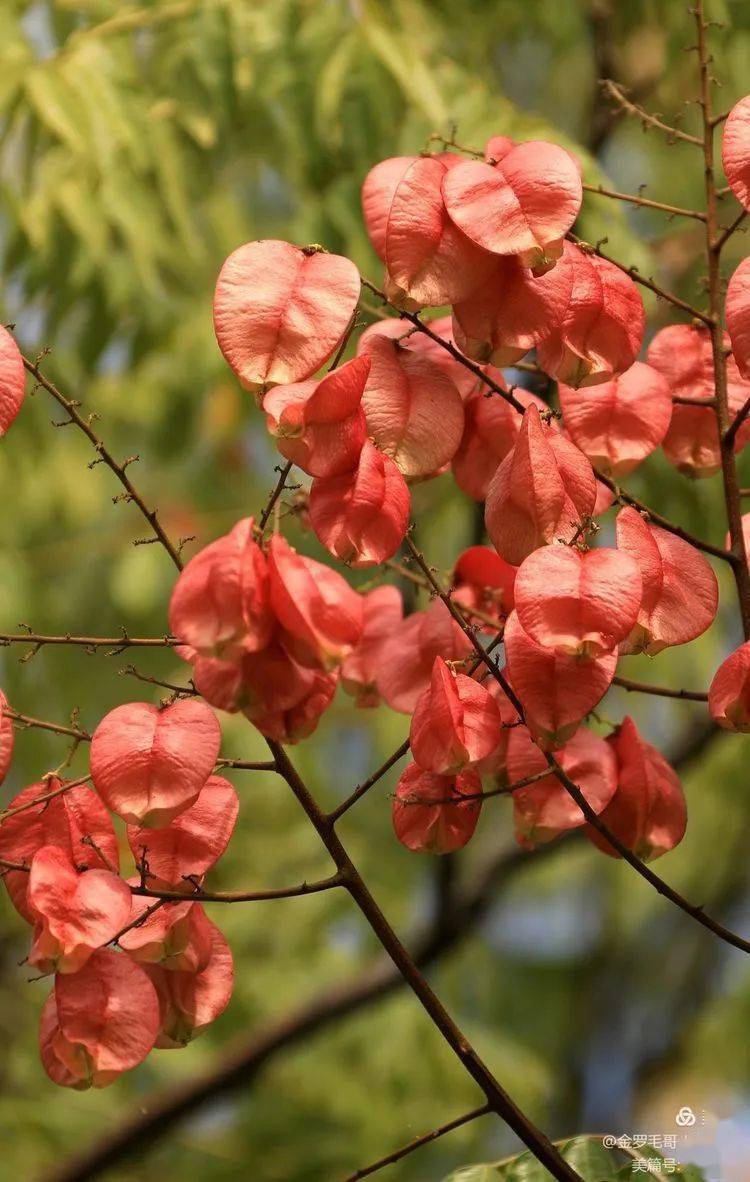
[
  {"x": 408, "y": 654},
  {"x": 617, "y": 424},
  {"x": 523, "y": 205},
  {"x": 684, "y": 355},
  {"x": 545, "y": 809},
  {"x": 63, "y": 820},
  {"x": 512, "y": 311},
  {"x": 425, "y": 346},
  {"x": 221, "y": 604},
  {"x": 456, "y": 723},
  {"x": 193, "y": 841},
  {"x": 149, "y": 764},
  {"x": 362, "y": 516},
  {"x": 738, "y": 312},
  {"x": 378, "y": 189},
  {"x": 729, "y": 692},
  {"x": 680, "y": 593},
  {"x": 605, "y": 499},
  {"x": 280, "y": 311},
  {"x": 647, "y": 812},
  {"x": 429, "y": 814},
  {"x": 542, "y": 491},
  {"x": 556, "y": 689},
  {"x": 320, "y": 426},
  {"x": 735, "y": 150},
  {"x": 321, "y": 613},
  {"x": 383, "y": 614},
  {"x": 75, "y": 912},
  {"x": 7, "y": 737},
  {"x": 601, "y": 332},
  {"x": 98, "y": 1022},
  {"x": 191, "y": 1001},
  {"x": 484, "y": 580},
  {"x": 414, "y": 411},
  {"x": 12, "y": 380},
  {"x": 575, "y": 602},
  {"x": 497, "y": 147},
  {"x": 491, "y": 427},
  {"x": 430, "y": 260}
]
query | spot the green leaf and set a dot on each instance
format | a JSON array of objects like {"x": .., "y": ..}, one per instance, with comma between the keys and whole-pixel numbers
[
  {"x": 588, "y": 1156},
  {"x": 484, "y": 1172}
]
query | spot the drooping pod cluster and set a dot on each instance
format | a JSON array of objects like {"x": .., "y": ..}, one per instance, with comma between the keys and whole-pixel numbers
[{"x": 131, "y": 971}]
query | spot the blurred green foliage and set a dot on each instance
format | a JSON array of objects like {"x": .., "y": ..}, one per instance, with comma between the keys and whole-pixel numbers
[{"x": 139, "y": 144}]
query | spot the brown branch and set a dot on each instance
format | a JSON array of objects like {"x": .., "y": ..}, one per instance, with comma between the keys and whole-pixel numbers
[
  {"x": 729, "y": 230},
  {"x": 200, "y": 896},
  {"x": 736, "y": 423},
  {"x": 27, "y": 722},
  {"x": 367, "y": 784},
  {"x": 275, "y": 494},
  {"x": 645, "y": 202},
  {"x": 660, "y": 691},
  {"x": 663, "y": 888},
  {"x": 417, "y": 1143},
  {"x": 714, "y": 243},
  {"x": 497, "y": 1098},
  {"x": 41, "y": 799},
  {"x": 116, "y": 643},
  {"x": 106, "y": 457},
  {"x": 617, "y": 93}
]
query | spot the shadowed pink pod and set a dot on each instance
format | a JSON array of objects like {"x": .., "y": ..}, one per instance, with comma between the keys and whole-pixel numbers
[
  {"x": 12, "y": 380},
  {"x": 424, "y": 346},
  {"x": 735, "y": 150},
  {"x": 149, "y": 764},
  {"x": 680, "y": 593},
  {"x": 617, "y": 424},
  {"x": 648, "y": 811},
  {"x": 193, "y": 841},
  {"x": 491, "y": 427},
  {"x": 544, "y": 810},
  {"x": 63, "y": 821},
  {"x": 456, "y": 723},
  {"x": 738, "y": 311},
  {"x": 383, "y": 614},
  {"x": 512, "y": 311},
  {"x": 320, "y": 426},
  {"x": 280, "y": 311},
  {"x": 7, "y": 738},
  {"x": 191, "y": 1001},
  {"x": 362, "y": 516},
  {"x": 408, "y": 654},
  {"x": 414, "y": 411},
  {"x": 524, "y": 205},
  {"x": 580, "y": 603},
  {"x": 605, "y": 499},
  {"x": 75, "y": 912},
  {"x": 484, "y": 580},
  {"x": 282, "y": 698},
  {"x": 378, "y": 189},
  {"x": 430, "y": 260},
  {"x": 683, "y": 354},
  {"x": 542, "y": 491},
  {"x": 320, "y": 612},
  {"x": 98, "y": 1022},
  {"x": 601, "y": 331},
  {"x": 729, "y": 692},
  {"x": 556, "y": 689},
  {"x": 175, "y": 935},
  {"x": 221, "y": 605},
  {"x": 494, "y": 767},
  {"x": 426, "y": 820}
]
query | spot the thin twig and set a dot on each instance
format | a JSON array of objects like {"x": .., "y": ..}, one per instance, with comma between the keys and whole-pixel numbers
[
  {"x": 106, "y": 457},
  {"x": 617, "y": 93},
  {"x": 418, "y": 1142},
  {"x": 646, "y": 202}
]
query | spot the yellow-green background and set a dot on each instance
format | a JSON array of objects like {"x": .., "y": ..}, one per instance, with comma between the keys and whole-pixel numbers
[{"x": 138, "y": 146}]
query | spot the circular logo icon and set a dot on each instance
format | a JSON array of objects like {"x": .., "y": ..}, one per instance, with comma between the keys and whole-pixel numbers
[{"x": 685, "y": 1118}]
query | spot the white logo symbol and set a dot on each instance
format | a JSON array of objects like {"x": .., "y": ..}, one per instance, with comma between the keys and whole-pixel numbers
[{"x": 685, "y": 1117}]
